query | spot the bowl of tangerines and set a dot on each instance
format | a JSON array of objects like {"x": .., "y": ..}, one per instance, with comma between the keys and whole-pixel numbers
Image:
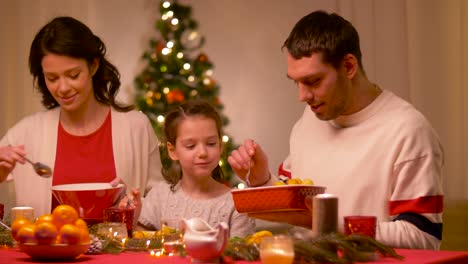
[{"x": 59, "y": 235}]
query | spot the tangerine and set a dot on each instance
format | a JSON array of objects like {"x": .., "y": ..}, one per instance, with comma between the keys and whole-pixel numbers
[
  {"x": 17, "y": 225},
  {"x": 69, "y": 234},
  {"x": 46, "y": 233},
  {"x": 26, "y": 234},
  {"x": 84, "y": 232},
  {"x": 44, "y": 218},
  {"x": 64, "y": 214}
]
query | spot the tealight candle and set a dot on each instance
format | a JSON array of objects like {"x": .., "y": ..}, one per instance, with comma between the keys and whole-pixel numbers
[
  {"x": 277, "y": 249},
  {"x": 22, "y": 212},
  {"x": 324, "y": 214}
]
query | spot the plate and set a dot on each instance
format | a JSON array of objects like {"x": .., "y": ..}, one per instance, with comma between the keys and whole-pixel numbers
[
  {"x": 284, "y": 203},
  {"x": 54, "y": 251}
]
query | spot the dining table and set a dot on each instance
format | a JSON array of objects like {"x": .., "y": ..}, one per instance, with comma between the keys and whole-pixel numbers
[{"x": 413, "y": 256}]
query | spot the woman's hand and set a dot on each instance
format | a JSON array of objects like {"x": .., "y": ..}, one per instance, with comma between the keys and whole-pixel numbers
[
  {"x": 250, "y": 154},
  {"x": 9, "y": 156}
]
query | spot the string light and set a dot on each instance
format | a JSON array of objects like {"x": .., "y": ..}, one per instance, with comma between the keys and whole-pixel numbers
[
  {"x": 191, "y": 78},
  {"x": 186, "y": 66},
  {"x": 170, "y": 14},
  {"x": 175, "y": 21},
  {"x": 209, "y": 72},
  {"x": 180, "y": 55},
  {"x": 160, "y": 119},
  {"x": 170, "y": 44},
  {"x": 225, "y": 138},
  {"x": 166, "y": 90},
  {"x": 241, "y": 186},
  {"x": 166, "y": 4},
  {"x": 206, "y": 81},
  {"x": 166, "y": 51}
]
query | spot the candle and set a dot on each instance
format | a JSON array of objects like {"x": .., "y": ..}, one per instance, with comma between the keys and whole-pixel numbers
[
  {"x": 324, "y": 214},
  {"x": 277, "y": 249}
]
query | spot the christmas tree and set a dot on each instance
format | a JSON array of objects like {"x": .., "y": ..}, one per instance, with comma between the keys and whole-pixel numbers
[{"x": 177, "y": 71}]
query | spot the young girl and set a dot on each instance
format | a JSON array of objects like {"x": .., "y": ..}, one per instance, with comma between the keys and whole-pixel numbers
[{"x": 193, "y": 132}]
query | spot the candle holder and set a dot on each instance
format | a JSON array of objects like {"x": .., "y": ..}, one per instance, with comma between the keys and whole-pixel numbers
[
  {"x": 360, "y": 224},
  {"x": 278, "y": 249},
  {"x": 171, "y": 236}
]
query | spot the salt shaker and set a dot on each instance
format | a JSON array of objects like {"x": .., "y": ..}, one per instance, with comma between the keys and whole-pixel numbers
[{"x": 324, "y": 214}]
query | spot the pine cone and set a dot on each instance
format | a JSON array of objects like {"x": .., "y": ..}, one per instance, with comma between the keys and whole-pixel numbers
[{"x": 96, "y": 246}]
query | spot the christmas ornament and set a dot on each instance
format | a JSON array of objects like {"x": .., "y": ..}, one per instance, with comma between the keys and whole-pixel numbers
[{"x": 191, "y": 39}]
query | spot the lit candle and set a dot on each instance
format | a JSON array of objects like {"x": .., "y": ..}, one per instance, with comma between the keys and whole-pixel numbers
[{"x": 324, "y": 214}]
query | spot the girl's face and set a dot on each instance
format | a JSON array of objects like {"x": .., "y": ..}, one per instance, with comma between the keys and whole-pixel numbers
[
  {"x": 197, "y": 147},
  {"x": 69, "y": 80}
]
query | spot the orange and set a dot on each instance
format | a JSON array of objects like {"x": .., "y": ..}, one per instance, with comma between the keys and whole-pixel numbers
[
  {"x": 46, "y": 233},
  {"x": 69, "y": 234},
  {"x": 17, "y": 225},
  {"x": 64, "y": 214},
  {"x": 26, "y": 234},
  {"x": 84, "y": 232},
  {"x": 44, "y": 218}
]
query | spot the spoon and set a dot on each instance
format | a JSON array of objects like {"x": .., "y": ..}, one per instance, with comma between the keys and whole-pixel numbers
[
  {"x": 247, "y": 176},
  {"x": 41, "y": 169}
]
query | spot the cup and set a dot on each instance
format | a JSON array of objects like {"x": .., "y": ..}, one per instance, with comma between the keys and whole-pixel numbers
[
  {"x": 120, "y": 215},
  {"x": 22, "y": 212},
  {"x": 278, "y": 249},
  {"x": 360, "y": 224},
  {"x": 172, "y": 236},
  {"x": 117, "y": 230}
]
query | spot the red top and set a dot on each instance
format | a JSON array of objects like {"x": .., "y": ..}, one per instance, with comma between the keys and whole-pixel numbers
[{"x": 84, "y": 159}]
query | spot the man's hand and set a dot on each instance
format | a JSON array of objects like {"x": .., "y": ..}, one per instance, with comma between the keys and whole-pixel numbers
[{"x": 250, "y": 154}]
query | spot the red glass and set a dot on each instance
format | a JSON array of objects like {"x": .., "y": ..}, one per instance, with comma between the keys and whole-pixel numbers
[
  {"x": 364, "y": 225},
  {"x": 121, "y": 216}
]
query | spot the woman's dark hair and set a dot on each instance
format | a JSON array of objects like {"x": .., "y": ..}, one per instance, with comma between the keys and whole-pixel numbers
[
  {"x": 69, "y": 37},
  {"x": 328, "y": 34},
  {"x": 191, "y": 108}
]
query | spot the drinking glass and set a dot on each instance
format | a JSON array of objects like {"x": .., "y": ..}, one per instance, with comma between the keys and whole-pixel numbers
[
  {"x": 120, "y": 215},
  {"x": 115, "y": 230},
  {"x": 278, "y": 249},
  {"x": 172, "y": 236},
  {"x": 360, "y": 224},
  {"x": 22, "y": 212}
]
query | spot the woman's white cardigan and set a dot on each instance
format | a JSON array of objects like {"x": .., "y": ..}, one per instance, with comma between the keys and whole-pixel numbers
[{"x": 135, "y": 146}]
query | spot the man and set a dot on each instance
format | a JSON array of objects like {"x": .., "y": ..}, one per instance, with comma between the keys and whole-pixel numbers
[{"x": 372, "y": 149}]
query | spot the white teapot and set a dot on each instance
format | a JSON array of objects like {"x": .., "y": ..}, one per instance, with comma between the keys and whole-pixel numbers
[{"x": 203, "y": 242}]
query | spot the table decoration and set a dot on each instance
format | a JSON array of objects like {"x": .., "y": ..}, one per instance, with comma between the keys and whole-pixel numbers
[{"x": 329, "y": 248}]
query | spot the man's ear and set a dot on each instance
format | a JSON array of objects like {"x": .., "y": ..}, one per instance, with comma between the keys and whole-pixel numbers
[
  {"x": 350, "y": 65},
  {"x": 94, "y": 66},
  {"x": 171, "y": 151}
]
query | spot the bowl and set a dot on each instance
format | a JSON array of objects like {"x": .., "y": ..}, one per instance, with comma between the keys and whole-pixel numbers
[
  {"x": 89, "y": 199},
  {"x": 272, "y": 198},
  {"x": 54, "y": 252},
  {"x": 284, "y": 203}
]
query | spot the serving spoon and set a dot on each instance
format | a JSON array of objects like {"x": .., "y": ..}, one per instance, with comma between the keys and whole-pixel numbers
[{"x": 41, "y": 169}]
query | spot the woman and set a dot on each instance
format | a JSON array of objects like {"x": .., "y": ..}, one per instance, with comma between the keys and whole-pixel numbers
[{"x": 85, "y": 135}]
